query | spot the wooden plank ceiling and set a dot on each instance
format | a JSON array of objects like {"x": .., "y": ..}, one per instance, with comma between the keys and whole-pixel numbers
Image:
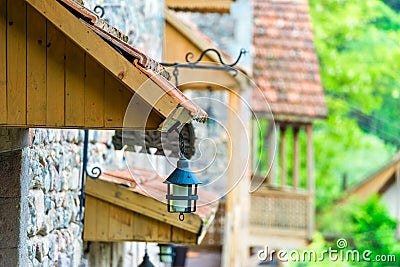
[
  {"x": 119, "y": 209},
  {"x": 55, "y": 72}
]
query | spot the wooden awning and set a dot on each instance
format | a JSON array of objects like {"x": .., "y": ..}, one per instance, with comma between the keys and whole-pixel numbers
[
  {"x": 204, "y": 6},
  {"x": 119, "y": 209},
  {"x": 61, "y": 68},
  {"x": 376, "y": 183},
  {"x": 185, "y": 38}
]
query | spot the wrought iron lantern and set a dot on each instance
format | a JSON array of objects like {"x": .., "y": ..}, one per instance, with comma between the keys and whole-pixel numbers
[
  {"x": 182, "y": 186},
  {"x": 167, "y": 253}
]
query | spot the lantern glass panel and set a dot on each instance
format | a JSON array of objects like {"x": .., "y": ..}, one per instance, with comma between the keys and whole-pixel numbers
[
  {"x": 180, "y": 190},
  {"x": 166, "y": 254}
]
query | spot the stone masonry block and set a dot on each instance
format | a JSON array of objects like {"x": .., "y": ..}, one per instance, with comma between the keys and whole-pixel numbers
[
  {"x": 10, "y": 169},
  {"x": 8, "y": 257},
  {"x": 9, "y": 223}
]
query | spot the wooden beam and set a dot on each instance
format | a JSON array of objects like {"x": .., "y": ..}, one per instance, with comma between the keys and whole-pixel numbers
[
  {"x": 16, "y": 62},
  {"x": 219, "y": 6},
  {"x": 55, "y": 76},
  {"x": 74, "y": 85},
  {"x": 136, "y": 202},
  {"x": 238, "y": 175},
  {"x": 282, "y": 156},
  {"x": 271, "y": 140},
  {"x": 310, "y": 181},
  {"x": 310, "y": 159},
  {"x": 296, "y": 157},
  {"x": 3, "y": 63},
  {"x": 36, "y": 68},
  {"x": 255, "y": 133},
  {"x": 94, "y": 93}
]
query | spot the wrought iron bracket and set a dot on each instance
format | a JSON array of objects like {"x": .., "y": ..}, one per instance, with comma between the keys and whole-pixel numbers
[
  {"x": 99, "y": 10},
  {"x": 95, "y": 172},
  {"x": 196, "y": 64}
]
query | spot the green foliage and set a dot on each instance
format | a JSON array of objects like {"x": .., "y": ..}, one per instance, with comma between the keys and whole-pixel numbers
[
  {"x": 366, "y": 226},
  {"x": 394, "y": 4},
  {"x": 358, "y": 47},
  {"x": 358, "y": 52},
  {"x": 375, "y": 230},
  {"x": 342, "y": 148}
]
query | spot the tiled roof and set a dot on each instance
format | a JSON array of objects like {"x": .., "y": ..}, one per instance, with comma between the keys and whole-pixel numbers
[{"x": 285, "y": 64}]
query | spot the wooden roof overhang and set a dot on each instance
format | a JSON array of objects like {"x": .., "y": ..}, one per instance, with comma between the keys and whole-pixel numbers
[
  {"x": 58, "y": 70},
  {"x": 185, "y": 39},
  {"x": 119, "y": 209},
  {"x": 203, "y": 6},
  {"x": 376, "y": 183}
]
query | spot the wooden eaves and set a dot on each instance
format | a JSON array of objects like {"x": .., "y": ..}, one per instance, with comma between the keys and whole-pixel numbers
[
  {"x": 56, "y": 72},
  {"x": 203, "y": 6},
  {"x": 377, "y": 182}
]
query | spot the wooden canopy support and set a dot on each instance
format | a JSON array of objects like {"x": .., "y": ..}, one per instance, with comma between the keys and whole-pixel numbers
[
  {"x": 56, "y": 72},
  {"x": 282, "y": 210},
  {"x": 310, "y": 181},
  {"x": 296, "y": 158},
  {"x": 206, "y": 6},
  {"x": 282, "y": 156}
]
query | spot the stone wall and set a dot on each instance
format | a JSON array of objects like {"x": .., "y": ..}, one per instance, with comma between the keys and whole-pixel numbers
[
  {"x": 13, "y": 191},
  {"x": 54, "y": 226}
]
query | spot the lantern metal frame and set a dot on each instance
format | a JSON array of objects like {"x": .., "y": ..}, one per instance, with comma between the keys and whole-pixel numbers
[
  {"x": 184, "y": 177},
  {"x": 163, "y": 254}
]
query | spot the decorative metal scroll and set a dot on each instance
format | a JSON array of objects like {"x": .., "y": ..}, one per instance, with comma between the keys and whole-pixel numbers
[
  {"x": 195, "y": 64},
  {"x": 95, "y": 172},
  {"x": 99, "y": 10}
]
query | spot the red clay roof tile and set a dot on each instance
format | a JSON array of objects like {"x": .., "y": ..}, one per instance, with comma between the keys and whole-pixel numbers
[{"x": 286, "y": 66}]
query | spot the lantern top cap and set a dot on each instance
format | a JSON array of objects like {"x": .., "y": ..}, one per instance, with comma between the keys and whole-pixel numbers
[
  {"x": 182, "y": 175},
  {"x": 146, "y": 261}
]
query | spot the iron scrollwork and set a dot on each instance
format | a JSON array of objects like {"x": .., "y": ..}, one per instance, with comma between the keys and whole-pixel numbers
[
  {"x": 191, "y": 55},
  {"x": 95, "y": 172},
  {"x": 99, "y": 10},
  {"x": 196, "y": 63}
]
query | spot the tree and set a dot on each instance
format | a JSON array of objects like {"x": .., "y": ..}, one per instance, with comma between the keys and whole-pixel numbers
[
  {"x": 365, "y": 226},
  {"x": 357, "y": 43},
  {"x": 394, "y": 4}
]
